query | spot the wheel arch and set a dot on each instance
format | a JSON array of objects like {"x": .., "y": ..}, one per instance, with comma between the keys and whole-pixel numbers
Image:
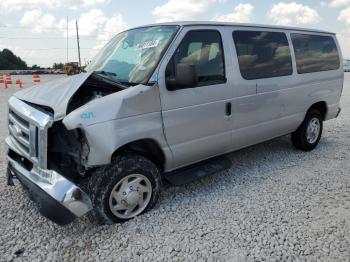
[
  {"x": 146, "y": 147},
  {"x": 321, "y": 106}
]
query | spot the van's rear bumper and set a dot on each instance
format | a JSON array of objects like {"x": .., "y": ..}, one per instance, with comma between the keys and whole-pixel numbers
[
  {"x": 333, "y": 111},
  {"x": 57, "y": 198}
]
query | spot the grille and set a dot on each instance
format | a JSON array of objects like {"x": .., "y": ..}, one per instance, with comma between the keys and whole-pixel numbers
[
  {"x": 19, "y": 129},
  {"x": 28, "y": 131}
]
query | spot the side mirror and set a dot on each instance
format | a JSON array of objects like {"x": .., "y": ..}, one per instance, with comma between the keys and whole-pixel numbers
[{"x": 185, "y": 77}]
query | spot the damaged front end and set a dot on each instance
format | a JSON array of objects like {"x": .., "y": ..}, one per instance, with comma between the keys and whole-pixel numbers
[
  {"x": 49, "y": 159},
  {"x": 49, "y": 147},
  {"x": 67, "y": 151},
  {"x": 61, "y": 130},
  {"x": 33, "y": 159}
]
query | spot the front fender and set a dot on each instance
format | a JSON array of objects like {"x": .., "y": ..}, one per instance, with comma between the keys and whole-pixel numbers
[
  {"x": 106, "y": 137},
  {"x": 118, "y": 119}
]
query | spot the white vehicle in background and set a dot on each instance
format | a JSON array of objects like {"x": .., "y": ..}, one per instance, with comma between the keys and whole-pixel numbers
[
  {"x": 346, "y": 65},
  {"x": 160, "y": 102}
]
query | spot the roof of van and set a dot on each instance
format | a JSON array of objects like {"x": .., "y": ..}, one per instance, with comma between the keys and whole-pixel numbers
[{"x": 212, "y": 23}]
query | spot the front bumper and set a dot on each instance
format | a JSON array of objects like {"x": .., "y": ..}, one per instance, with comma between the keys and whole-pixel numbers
[{"x": 58, "y": 198}]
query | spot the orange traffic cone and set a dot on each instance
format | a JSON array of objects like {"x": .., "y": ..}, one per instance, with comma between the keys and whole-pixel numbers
[
  {"x": 36, "y": 79},
  {"x": 19, "y": 83},
  {"x": 8, "y": 80}
]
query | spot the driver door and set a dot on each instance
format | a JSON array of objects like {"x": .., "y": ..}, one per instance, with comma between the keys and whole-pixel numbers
[{"x": 197, "y": 119}]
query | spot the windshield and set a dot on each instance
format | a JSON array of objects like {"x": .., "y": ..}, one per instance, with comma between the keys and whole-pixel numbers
[{"x": 132, "y": 56}]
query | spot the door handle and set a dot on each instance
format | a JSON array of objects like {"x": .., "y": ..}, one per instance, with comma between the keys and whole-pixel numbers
[{"x": 228, "y": 109}]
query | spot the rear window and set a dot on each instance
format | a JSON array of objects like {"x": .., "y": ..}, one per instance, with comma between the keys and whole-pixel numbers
[
  {"x": 315, "y": 53},
  {"x": 262, "y": 54}
]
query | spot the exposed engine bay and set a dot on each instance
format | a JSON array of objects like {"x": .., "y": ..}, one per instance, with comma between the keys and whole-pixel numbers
[
  {"x": 94, "y": 87},
  {"x": 67, "y": 151}
]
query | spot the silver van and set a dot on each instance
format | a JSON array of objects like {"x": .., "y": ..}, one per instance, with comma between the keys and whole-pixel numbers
[{"x": 167, "y": 102}]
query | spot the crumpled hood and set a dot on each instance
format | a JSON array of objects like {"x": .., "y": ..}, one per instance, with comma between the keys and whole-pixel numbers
[
  {"x": 133, "y": 101},
  {"x": 54, "y": 94}
]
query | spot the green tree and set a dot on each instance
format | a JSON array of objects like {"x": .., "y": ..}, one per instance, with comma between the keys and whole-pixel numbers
[
  {"x": 9, "y": 61},
  {"x": 58, "y": 66},
  {"x": 35, "y": 67}
]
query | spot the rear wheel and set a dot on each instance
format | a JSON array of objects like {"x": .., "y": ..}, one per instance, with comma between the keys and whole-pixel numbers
[
  {"x": 128, "y": 187},
  {"x": 308, "y": 135}
]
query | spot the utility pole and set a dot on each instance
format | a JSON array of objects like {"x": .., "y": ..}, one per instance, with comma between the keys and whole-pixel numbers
[
  {"x": 67, "y": 40},
  {"x": 76, "y": 25}
]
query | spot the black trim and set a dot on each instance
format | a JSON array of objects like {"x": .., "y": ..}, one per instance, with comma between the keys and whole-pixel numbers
[
  {"x": 339, "y": 110},
  {"x": 198, "y": 170},
  {"x": 48, "y": 206}
]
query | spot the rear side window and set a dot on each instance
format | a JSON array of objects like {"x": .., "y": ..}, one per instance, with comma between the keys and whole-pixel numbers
[
  {"x": 262, "y": 54},
  {"x": 203, "y": 50},
  {"x": 315, "y": 53}
]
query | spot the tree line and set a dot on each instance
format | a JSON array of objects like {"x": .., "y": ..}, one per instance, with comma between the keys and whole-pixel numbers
[{"x": 9, "y": 61}]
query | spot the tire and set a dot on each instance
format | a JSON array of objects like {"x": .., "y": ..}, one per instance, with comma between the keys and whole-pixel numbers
[
  {"x": 133, "y": 179},
  {"x": 307, "y": 140}
]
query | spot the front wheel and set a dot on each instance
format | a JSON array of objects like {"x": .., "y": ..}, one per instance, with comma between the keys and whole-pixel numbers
[
  {"x": 307, "y": 136},
  {"x": 128, "y": 187}
]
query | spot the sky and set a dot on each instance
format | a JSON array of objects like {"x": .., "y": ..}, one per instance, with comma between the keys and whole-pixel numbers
[{"x": 36, "y": 30}]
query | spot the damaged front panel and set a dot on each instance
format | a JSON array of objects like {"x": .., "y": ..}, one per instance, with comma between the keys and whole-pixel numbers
[
  {"x": 54, "y": 94},
  {"x": 117, "y": 119},
  {"x": 98, "y": 118},
  {"x": 93, "y": 88},
  {"x": 67, "y": 151}
]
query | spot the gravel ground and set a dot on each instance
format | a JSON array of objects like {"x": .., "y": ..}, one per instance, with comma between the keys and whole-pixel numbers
[{"x": 275, "y": 203}]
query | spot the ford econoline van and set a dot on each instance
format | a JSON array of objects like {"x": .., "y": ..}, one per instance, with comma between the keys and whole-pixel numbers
[{"x": 167, "y": 102}]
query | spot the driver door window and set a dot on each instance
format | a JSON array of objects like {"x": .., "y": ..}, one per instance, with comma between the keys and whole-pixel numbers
[{"x": 203, "y": 50}]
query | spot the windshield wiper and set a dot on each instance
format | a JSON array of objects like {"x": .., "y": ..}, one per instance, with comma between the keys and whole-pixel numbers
[
  {"x": 125, "y": 82},
  {"x": 110, "y": 76},
  {"x": 102, "y": 72}
]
